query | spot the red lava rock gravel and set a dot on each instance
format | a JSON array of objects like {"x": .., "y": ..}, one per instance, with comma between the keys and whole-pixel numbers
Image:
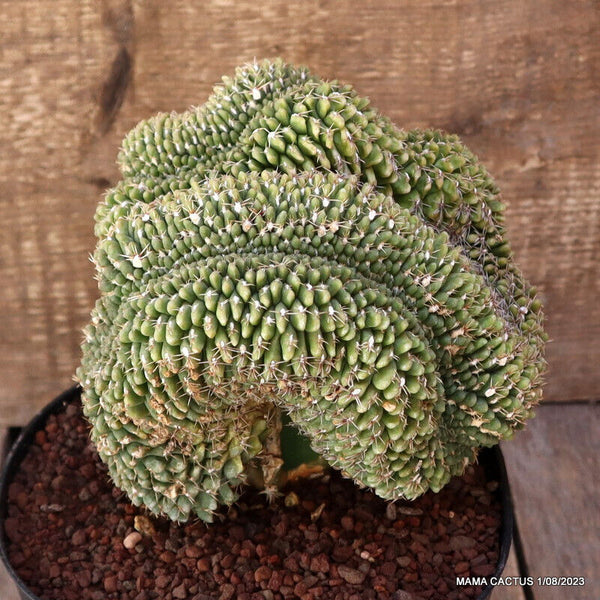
[{"x": 72, "y": 537}]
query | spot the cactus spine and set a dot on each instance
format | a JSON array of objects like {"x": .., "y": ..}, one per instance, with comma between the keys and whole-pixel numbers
[{"x": 286, "y": 249}]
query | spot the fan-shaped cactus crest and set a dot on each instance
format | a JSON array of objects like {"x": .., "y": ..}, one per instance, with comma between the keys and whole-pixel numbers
[{"x": 285, "y": 249}]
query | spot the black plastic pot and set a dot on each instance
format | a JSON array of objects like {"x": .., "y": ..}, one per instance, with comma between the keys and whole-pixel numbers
[
  {"x": 490, "y": 458},
  {"x": 16, "y": 454}
]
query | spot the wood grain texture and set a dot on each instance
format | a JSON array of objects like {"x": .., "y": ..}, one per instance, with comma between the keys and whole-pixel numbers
[
  {"x": 518, "y": 80},
  {"x": 8, "y": 590},
  {"x": 553, "y": 470}
]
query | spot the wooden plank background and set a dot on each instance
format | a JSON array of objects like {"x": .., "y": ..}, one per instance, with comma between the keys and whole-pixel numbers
[
  {"x": 519, "y": 80},
  {"x": 553, "y": 467}
]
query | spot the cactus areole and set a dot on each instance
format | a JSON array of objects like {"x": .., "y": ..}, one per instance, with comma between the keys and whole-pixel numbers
[{"x": 285, "y": 251}]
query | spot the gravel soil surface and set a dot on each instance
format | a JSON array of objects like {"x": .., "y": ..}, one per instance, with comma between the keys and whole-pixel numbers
[{"x": 73, "y": 536}]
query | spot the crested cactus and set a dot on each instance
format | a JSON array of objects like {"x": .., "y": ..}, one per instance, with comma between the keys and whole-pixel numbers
[{"x": 285, "y": 250}]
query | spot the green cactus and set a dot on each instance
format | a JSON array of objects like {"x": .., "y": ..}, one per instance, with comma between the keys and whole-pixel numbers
[{"x": 284, "y": 250}]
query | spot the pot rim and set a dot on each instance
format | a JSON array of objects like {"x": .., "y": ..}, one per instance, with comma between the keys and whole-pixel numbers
[
  {"x": 491, "y": 458},
  {"x": 12, "y": 462}
]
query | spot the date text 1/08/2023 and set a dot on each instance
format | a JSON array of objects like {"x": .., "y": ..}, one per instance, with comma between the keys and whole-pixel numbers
[{"x": 521, "y": 581}]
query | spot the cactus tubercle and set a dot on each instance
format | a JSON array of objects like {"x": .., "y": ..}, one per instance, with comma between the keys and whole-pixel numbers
[{"x": 286, "y": 250}]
